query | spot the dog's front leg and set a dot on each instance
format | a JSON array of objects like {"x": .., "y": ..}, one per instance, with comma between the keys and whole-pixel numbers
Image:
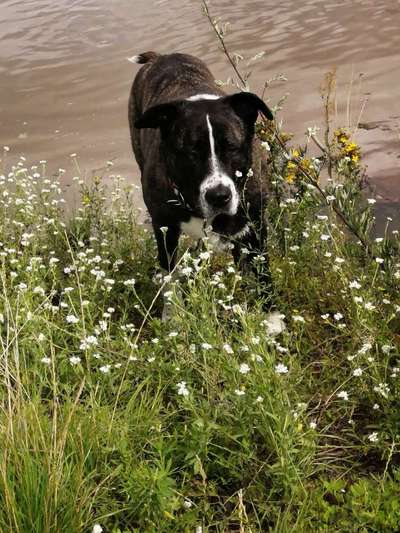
[{"x": 167, "y": 238}]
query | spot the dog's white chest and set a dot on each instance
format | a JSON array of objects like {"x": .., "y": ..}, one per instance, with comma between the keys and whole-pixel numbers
[
  {"x": 195, "y": 227},
  {"x": 198, "y": 228}
]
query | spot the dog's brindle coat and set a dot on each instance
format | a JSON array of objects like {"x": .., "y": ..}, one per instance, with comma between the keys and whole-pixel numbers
[{"x": 194, "y": 147}]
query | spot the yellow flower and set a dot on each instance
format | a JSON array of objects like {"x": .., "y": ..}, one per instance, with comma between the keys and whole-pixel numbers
[
  {"x": 355, "y": 158},
  {"x": 341, "y": 134},
  {"x": 291, "y": 165},
  {"x": 295, "y": 153},
  {"x": 350, "y": 147},
  {"x": 286, "y": 136},
  {"x": 290, "y": 178}
]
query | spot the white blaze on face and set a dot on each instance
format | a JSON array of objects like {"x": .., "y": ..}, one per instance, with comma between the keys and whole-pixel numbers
[{"x": 215, "y": 178}]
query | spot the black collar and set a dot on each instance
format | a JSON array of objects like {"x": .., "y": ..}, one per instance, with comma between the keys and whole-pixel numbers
[{"x": 179, "y": 200}]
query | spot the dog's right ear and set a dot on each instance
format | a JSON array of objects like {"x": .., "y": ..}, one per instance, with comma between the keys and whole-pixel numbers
[
  {"x": 247, "y": 106},
  {"x": 159, "y": 116}
]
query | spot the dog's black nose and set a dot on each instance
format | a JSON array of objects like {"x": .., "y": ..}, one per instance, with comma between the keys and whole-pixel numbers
[{"x": 218, "y": 196}]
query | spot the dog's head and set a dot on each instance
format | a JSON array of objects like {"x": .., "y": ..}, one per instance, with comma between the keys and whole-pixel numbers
[{"x": 206, "y": 143}]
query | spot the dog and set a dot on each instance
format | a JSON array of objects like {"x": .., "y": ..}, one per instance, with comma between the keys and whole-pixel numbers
[{"x": 195, "y": 148}]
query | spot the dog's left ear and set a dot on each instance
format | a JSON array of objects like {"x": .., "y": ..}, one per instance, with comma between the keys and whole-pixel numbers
[
  {"x": 158, "y": 116},
  {"x": 248, "y": 105}
]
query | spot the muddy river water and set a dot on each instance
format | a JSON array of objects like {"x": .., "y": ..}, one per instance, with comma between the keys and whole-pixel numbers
[{"x": 64, "y": 77}]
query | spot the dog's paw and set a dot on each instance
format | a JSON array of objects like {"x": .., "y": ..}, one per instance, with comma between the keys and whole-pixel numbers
[{"x": 274, "y": 323}]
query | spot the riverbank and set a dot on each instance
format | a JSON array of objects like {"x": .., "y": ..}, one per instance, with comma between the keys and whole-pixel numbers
[{"x": 209, "y": 422}]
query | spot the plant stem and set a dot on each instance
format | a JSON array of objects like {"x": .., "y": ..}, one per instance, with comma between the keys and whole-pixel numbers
[{"x": 221, "y": 40}]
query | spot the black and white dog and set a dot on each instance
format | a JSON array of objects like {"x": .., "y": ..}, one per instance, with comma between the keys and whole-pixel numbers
[{"x": 194, "y": 146}]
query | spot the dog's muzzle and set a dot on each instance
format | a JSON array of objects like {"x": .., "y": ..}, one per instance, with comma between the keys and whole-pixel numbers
[{"x": 218, "y": 197}]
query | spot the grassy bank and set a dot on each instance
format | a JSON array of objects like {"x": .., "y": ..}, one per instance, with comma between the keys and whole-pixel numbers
[{"x": 111, "y": 419}]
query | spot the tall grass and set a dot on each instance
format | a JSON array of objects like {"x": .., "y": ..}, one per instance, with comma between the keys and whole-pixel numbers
[{"x": 112, "y": 419}]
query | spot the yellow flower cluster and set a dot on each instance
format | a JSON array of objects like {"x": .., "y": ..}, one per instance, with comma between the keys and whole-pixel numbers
[
  {"x": 347, "y": 148},
  {"x": 291, "y": 170},
  {"x": 265, "y": 135},
  {"x": 291, "y": 167},
  {"x": 294, "y": 164}
]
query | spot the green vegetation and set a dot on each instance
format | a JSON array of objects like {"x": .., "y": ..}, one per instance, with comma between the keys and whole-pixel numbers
[{"x": 112, "y": 419}]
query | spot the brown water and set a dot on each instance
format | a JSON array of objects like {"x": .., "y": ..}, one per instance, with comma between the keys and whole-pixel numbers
[{"x": 64, "y": 78}]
